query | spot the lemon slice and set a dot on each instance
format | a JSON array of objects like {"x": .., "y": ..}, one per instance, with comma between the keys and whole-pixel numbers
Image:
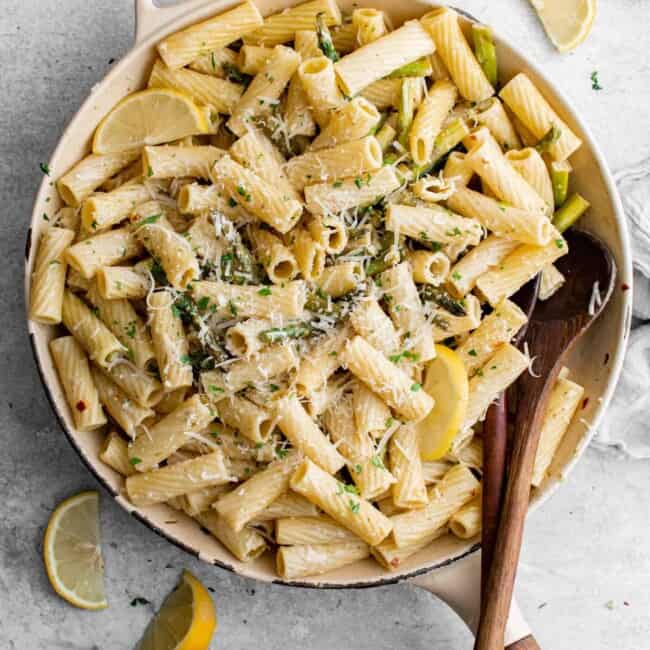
[
  {"x": 445, "y": 379},
  {"x": 186, "y": 620},
  {"x": 72, "y": 552},
  {"x": 567, "y": 22},
  {"x": 148, "y": 117}
]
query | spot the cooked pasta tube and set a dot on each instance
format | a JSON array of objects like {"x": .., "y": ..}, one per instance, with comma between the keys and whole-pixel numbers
[
  {"x": 264, "y": 92},
  {"x": 529, "y": 227},
  {"x": 369, "y": 23},
  {"x": 217, "y": 62},
  {"x": 366, "y": 468},
  {"x": 506, "y": 184},
  {"x": 349, "y": 159},
  {"x": 444, "y": 324},
  {"x": 169, "y": 342},
  {"x": 371, "y": 322},
  {"x": 169, "y": 434},
  {"x": 252, "y": 497},
  {"x": 499, "y": 327},
  {"x": 343, "y": 505},
  {"x": 383, "y": 93},
  {"x": 311, "y": 530},
  {"x": 261, "y": 199},
  {"x": 106, "y": 249},
  {"x": 271, "y": 363},
  {"x": 80, "y": 391},
  {"x": 428, "y": 267},
  {"x": 309, "y": 254},
  {"x": 166, "y": 161},
  {"x": 370, "y": 412},
  {"x": 456, "y": 488},
  {"x": 313, "y": 559},
  {"x": 121, "y": 282},
  {"x": 137, "y": 383},
  {"x": 101, "y": 345},
  {"x": 279, "y": 262},
  {"x": 406, "y": 310},
  {"x": 388, "y": 381},
  {"x": 376, "y": 59},
  {"x": 298, "y": 113},
  {"x": 391, "y": 557},
  {"x": 289, "y": 506},
  {"x": 121, "y": 318},
  {"x": 551, "y": 281},
  {"x": 246, "y": 544},
  {"x": 492, "y": 114},
  {"x": 252, "y": 58},
  {"x": 89, "y": 173},
  {"x": 173, "y": 251},
  {"x": 115, "y": 453},
  {"x": 530, "y": 107},
  {"x": 104, "y": 209},
  {"x": 126, "y": 412},
  {"x": 339, "y": 279},
  {"x": 350, "y": 193},
  {"x": 409, "y": 490},
  {"x": 564, "y": 401},
  {"x": 171, "y": 401},
  {"x": 250, "y": 420},
  {"x": 282, "y": 27},
  {"x": 488, "y": 254},
  {"x": 198, "y": 501},
  {"x": 196, "y": 199},
  {"x": 431, "y": 114},
  {"x": 243, "y": 340},
  {"x": 499, "y": 372},
  {"x": 48, "y": 277},
  {"x": 321, "y": 361},
  {"x": 432, "y": 224},
  {"x": 303, "y": 433},
  {"x": 185, "y": 46},
  {"x": 434, "y": 470},
  {"x": 351, "y": 121},
  {"x": 454, "y": 50},
  {"x": 253, "y": 301},
  {"x": 531, "y": 166},
  {"x": 466, "y": 522},
  {"x": 519, "y": 267},
  {"x": 319, "y": 83},
  {"x": 256, "y": 152}
]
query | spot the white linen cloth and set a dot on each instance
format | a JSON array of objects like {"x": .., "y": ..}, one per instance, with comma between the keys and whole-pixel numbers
[{"x": 626, "y": 425}]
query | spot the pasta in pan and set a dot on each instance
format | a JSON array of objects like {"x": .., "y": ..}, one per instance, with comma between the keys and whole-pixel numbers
[{"x": 254, "y": 313}]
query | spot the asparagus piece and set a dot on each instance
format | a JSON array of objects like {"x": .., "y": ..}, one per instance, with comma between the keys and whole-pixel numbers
[
  {"x": 325, "y": 39},
  {"x": 238, "y": 265},
  {"x": 449, "y": 138},
  {"x": 418, "y": 68},
  {"x": 549, "y": 139},
  {"x": 278, "y": 334},
  {"x": 440, "y": 297},
  {"x": 570, "y": 212},
  {"x": 560, "y": 178},
  {"x": 486, "y": 53}
]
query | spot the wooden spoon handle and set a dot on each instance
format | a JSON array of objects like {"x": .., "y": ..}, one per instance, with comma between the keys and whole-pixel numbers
[
  {"x": 550, "y": 343},
  {"x": 527, "y": 643},
  {"x": 494, "y": 467}
]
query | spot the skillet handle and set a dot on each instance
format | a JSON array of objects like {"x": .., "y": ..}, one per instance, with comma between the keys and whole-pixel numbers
[
  {"x": 459, "y": 585},
  {"x": 149, "y": 18}
]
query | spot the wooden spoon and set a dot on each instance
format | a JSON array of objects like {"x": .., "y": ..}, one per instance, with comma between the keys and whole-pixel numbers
[
  {"x": 555, "y": 326},
  {"x": 495, "y": 449}
]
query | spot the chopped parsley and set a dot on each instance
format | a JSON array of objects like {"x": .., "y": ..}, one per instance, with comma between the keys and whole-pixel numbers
[
  {"x": 45, "y": 168},
  {"x": 232, "y": 203},
  {"x": 456, "y": 275},
  {"x": 416, "y": 387},
  {"x": 232, "y": 308},
  {"x": 337, "y": 183},
  {"x": 559, "y": 243},
  {"x": 149, "y": 220},
  {"x": 354, "y": 506},
  {"x": 135, "y": 461},
  {"x": 265, "y": 291},
  {"x": 138, "y": 600},
  {"x": 406, "y": 354},
  {"x": 150, "y": 171},
  {"x": 241, "y": 190},
  {"x": 215, "y": 389},
  {"x": 130, "y": 329},
  {"x": 377, "y": 462},
  {"x": 358, "y": 469},
  {"x": 473, "y": 353},
  {"x": 595, "y": 82},
  {"x": 203, "y": 303}
]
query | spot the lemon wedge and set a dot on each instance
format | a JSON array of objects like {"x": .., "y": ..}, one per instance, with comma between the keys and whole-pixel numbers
[
  {"x": 149, "y": 117},
  {"x": 445, "y": 379},
  {"x": 72, "y": 552},
  {"x": 567, "y": 22},
  {"x": 186, "y": 620}
]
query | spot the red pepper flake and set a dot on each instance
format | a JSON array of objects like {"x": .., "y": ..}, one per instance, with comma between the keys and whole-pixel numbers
[
  {"x": 606, "y": 358},
  {"x": 81, "y": 405},
  {"x": 625, "y": 287},
  {"x": 585, "y": 401}
]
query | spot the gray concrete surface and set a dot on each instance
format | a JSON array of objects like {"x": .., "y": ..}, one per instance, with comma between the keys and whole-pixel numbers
[{"x": 585, "y": 576}]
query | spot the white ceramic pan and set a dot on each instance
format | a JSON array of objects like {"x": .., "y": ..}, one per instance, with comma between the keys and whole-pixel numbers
[{"x": 450, "y": 567}]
